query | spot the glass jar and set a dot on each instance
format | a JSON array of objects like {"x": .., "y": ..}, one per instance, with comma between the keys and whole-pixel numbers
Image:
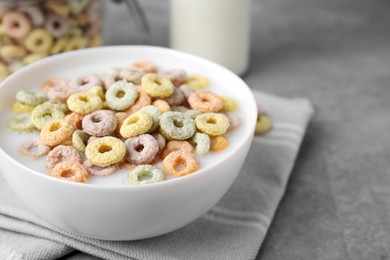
[{"x": 32, "y": 29}]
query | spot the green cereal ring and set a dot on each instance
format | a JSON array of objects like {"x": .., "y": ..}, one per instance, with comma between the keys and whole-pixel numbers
[
  {"x": 212, "y": 123},
  {"x": 61, "y": 106},
  {"x": 154, "y": 113},
  {"x": 157, "y": 86},
  {"x": 21, "y": 123},
  {"x": 176, "y": 125},
  {"x": 202, "y": 142},
  {"x": 136, "y": 124},
  {"x": 149, "y": 172},
  {"x": 79, "y": 140},
  {"x": 84, "y": 102},
  {"x": 105, "y": 151},
  {"x": 30, "y": 98},
  {"x": 42, "y": 114},
  {"x": 121, "y": 95}
]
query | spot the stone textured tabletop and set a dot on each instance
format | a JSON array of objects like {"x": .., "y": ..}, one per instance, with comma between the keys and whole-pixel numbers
[{"x": 337, "y": 54}]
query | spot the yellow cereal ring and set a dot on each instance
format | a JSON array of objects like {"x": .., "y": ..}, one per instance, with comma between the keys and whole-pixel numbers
[
  {"x": 136, "y": 124},
  {"x": 157, "y": 86},
  {"x": 218, "y": 143},
  {"x": 56, "y": 132},
  {"x": 162, "y": 105},
  {"x": 197, "y": 82},
  {"x": 105, "y": 151},
  {"x": 212, "y": 124},
  {"x": 21, "y": 123},
  {"x": 38, "y": 40},
  {"x": 263, "y": 125},
  {"x": 19, "y": 107},
  {"x": 33, "y": 57},
  {"x": 59, "y": 45},
  {"x": 58, "y": 7},
  {"x": 45, "y": 113},
  {"x": 76, "y": 43},
  {"x": 4, "y": 72},
  {"x": 98, "y": 90},
  {"x": 12, "y": 52},
  {"x": 84, "y": 102},
  {"x": 229, "y": 104}
]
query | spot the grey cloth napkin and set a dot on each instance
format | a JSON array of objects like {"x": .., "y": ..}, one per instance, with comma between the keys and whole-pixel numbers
[{"x": 234, "y": 229}]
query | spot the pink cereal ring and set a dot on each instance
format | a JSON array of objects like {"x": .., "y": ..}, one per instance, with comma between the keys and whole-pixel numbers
[
  {"x": 100, "y": 123},
  {"x": 56, "y": 25},
  {"x": 16, "y": 24},
  {"x": 33, "y": 149},
  {"x": 100, "y": 171},
  {"x": 62, "y": 153},
  {"x": 85, "y": 82},
  {"x": 177, "y": 76},
  {"x": 141, "y": 149},
  {"x": 176, "y": 99}
]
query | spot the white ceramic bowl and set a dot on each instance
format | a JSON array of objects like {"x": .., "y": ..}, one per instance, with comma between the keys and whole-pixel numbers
[{"x": 120, "y": 212}]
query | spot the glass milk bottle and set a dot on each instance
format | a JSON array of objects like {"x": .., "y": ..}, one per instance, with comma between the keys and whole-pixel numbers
[{"x": 218, "y": 30}]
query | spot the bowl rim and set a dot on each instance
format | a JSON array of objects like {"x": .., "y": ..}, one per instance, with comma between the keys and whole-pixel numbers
[{"x": 198, "y": 174}]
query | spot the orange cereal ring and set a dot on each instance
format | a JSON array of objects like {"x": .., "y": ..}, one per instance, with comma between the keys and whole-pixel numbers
[
  {"x": 16, "y": 24},
  {"x": 162, "y": 105},
  {"x": 56, "y": 132},
  {"x": 218, "y": 143},
  {"x": 180, "y": 163},
  {"x": 142, "y": 101},
  {"x": 175, "y": 145},
  {"x": 75, "y": 119},
  {"x": 205, "y": 101},
  {"x": 53, "y": 83},
  {"x": 70, "y": 171},
  {"x": 105, "y": 151},
  {"x": 144, "y": 66}
]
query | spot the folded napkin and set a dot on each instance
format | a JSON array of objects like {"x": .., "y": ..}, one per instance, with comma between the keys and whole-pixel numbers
[{"x": 234, "y": 229}]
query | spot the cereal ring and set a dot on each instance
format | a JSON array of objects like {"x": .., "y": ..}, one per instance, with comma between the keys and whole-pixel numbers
[
  {"x": 34, "y": 13},
  {"x": 71, "y": 171},
  {"x": 136, "y": 124},
  {"x": 59, "y": 45},
  {"x": 149, "y": 172},
  {"x": 19, "y": 107},
  {"x": 75, "y": 119},
  {"x": 80, "y": 140},
  {"x": 12, "y": 52},
  {"x": 34, "y": 149},
  {"x": 76, "y": 6},
  {"x": 58, "y": 7},
  {"x": 56, "y": 25},
  {"x": 21, "y": 123},
  {"x": 33, "y": 57},
  {"x": 197, "y": 82},
  {"x": 144, "y": 66},
  {"x": 121, "y": 95},
  {"x": 202, "y": 142},
  {"x": 76, "y": 43},
  {"x": 53, "y": 83},
  {"x": 84, "y": 102},
  {"x": 62, "y": 153},
  {"x": 98, "y": 90},
  {"x": 180, "y": 163},
  {"x": 234, "y": 120},
  {"x": 205, "y": 101},
  {"x": 141, "y": 149},
  {"x": 142, "y": 100},
  {"x": 157, "y": 86},
  {"x": 100, "y": 171},
  {"x": 4, "y": 71},
  {"x": 16, "y": 24},
  {"x": 30, "y": 98},
  {"x": 263, "y": 125},
  {"x": 100, "y": 123},
  {"x": 111, "y": 78},
  {"x": 229, "y": 104},
  {"x": 105, "y": 151},
  {"x": 174, "y": 145},
  {"x": 162, "y": 105},
  {"x": 133, "y": 76},
  {"x": 212, "y": 123},
  {"x": 177, "y": 98},
  {"x": 176, "y": 76},
  {"x": 186, "y": 90},
  {"x": 56, "y": 132},
  {"x": 154, "y": 113},
  {"x": 176, "y": 125},
  {"x": 38, "y": 40},
  {"x": 61, "y": 106},
  {"x": 85, "y": 83},
  {"x": 218, "y": 143},
  {"x": 42, "y": 114}
]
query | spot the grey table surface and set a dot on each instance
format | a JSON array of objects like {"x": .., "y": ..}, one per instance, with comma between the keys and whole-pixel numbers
[{"x": 337, "y": 54}]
